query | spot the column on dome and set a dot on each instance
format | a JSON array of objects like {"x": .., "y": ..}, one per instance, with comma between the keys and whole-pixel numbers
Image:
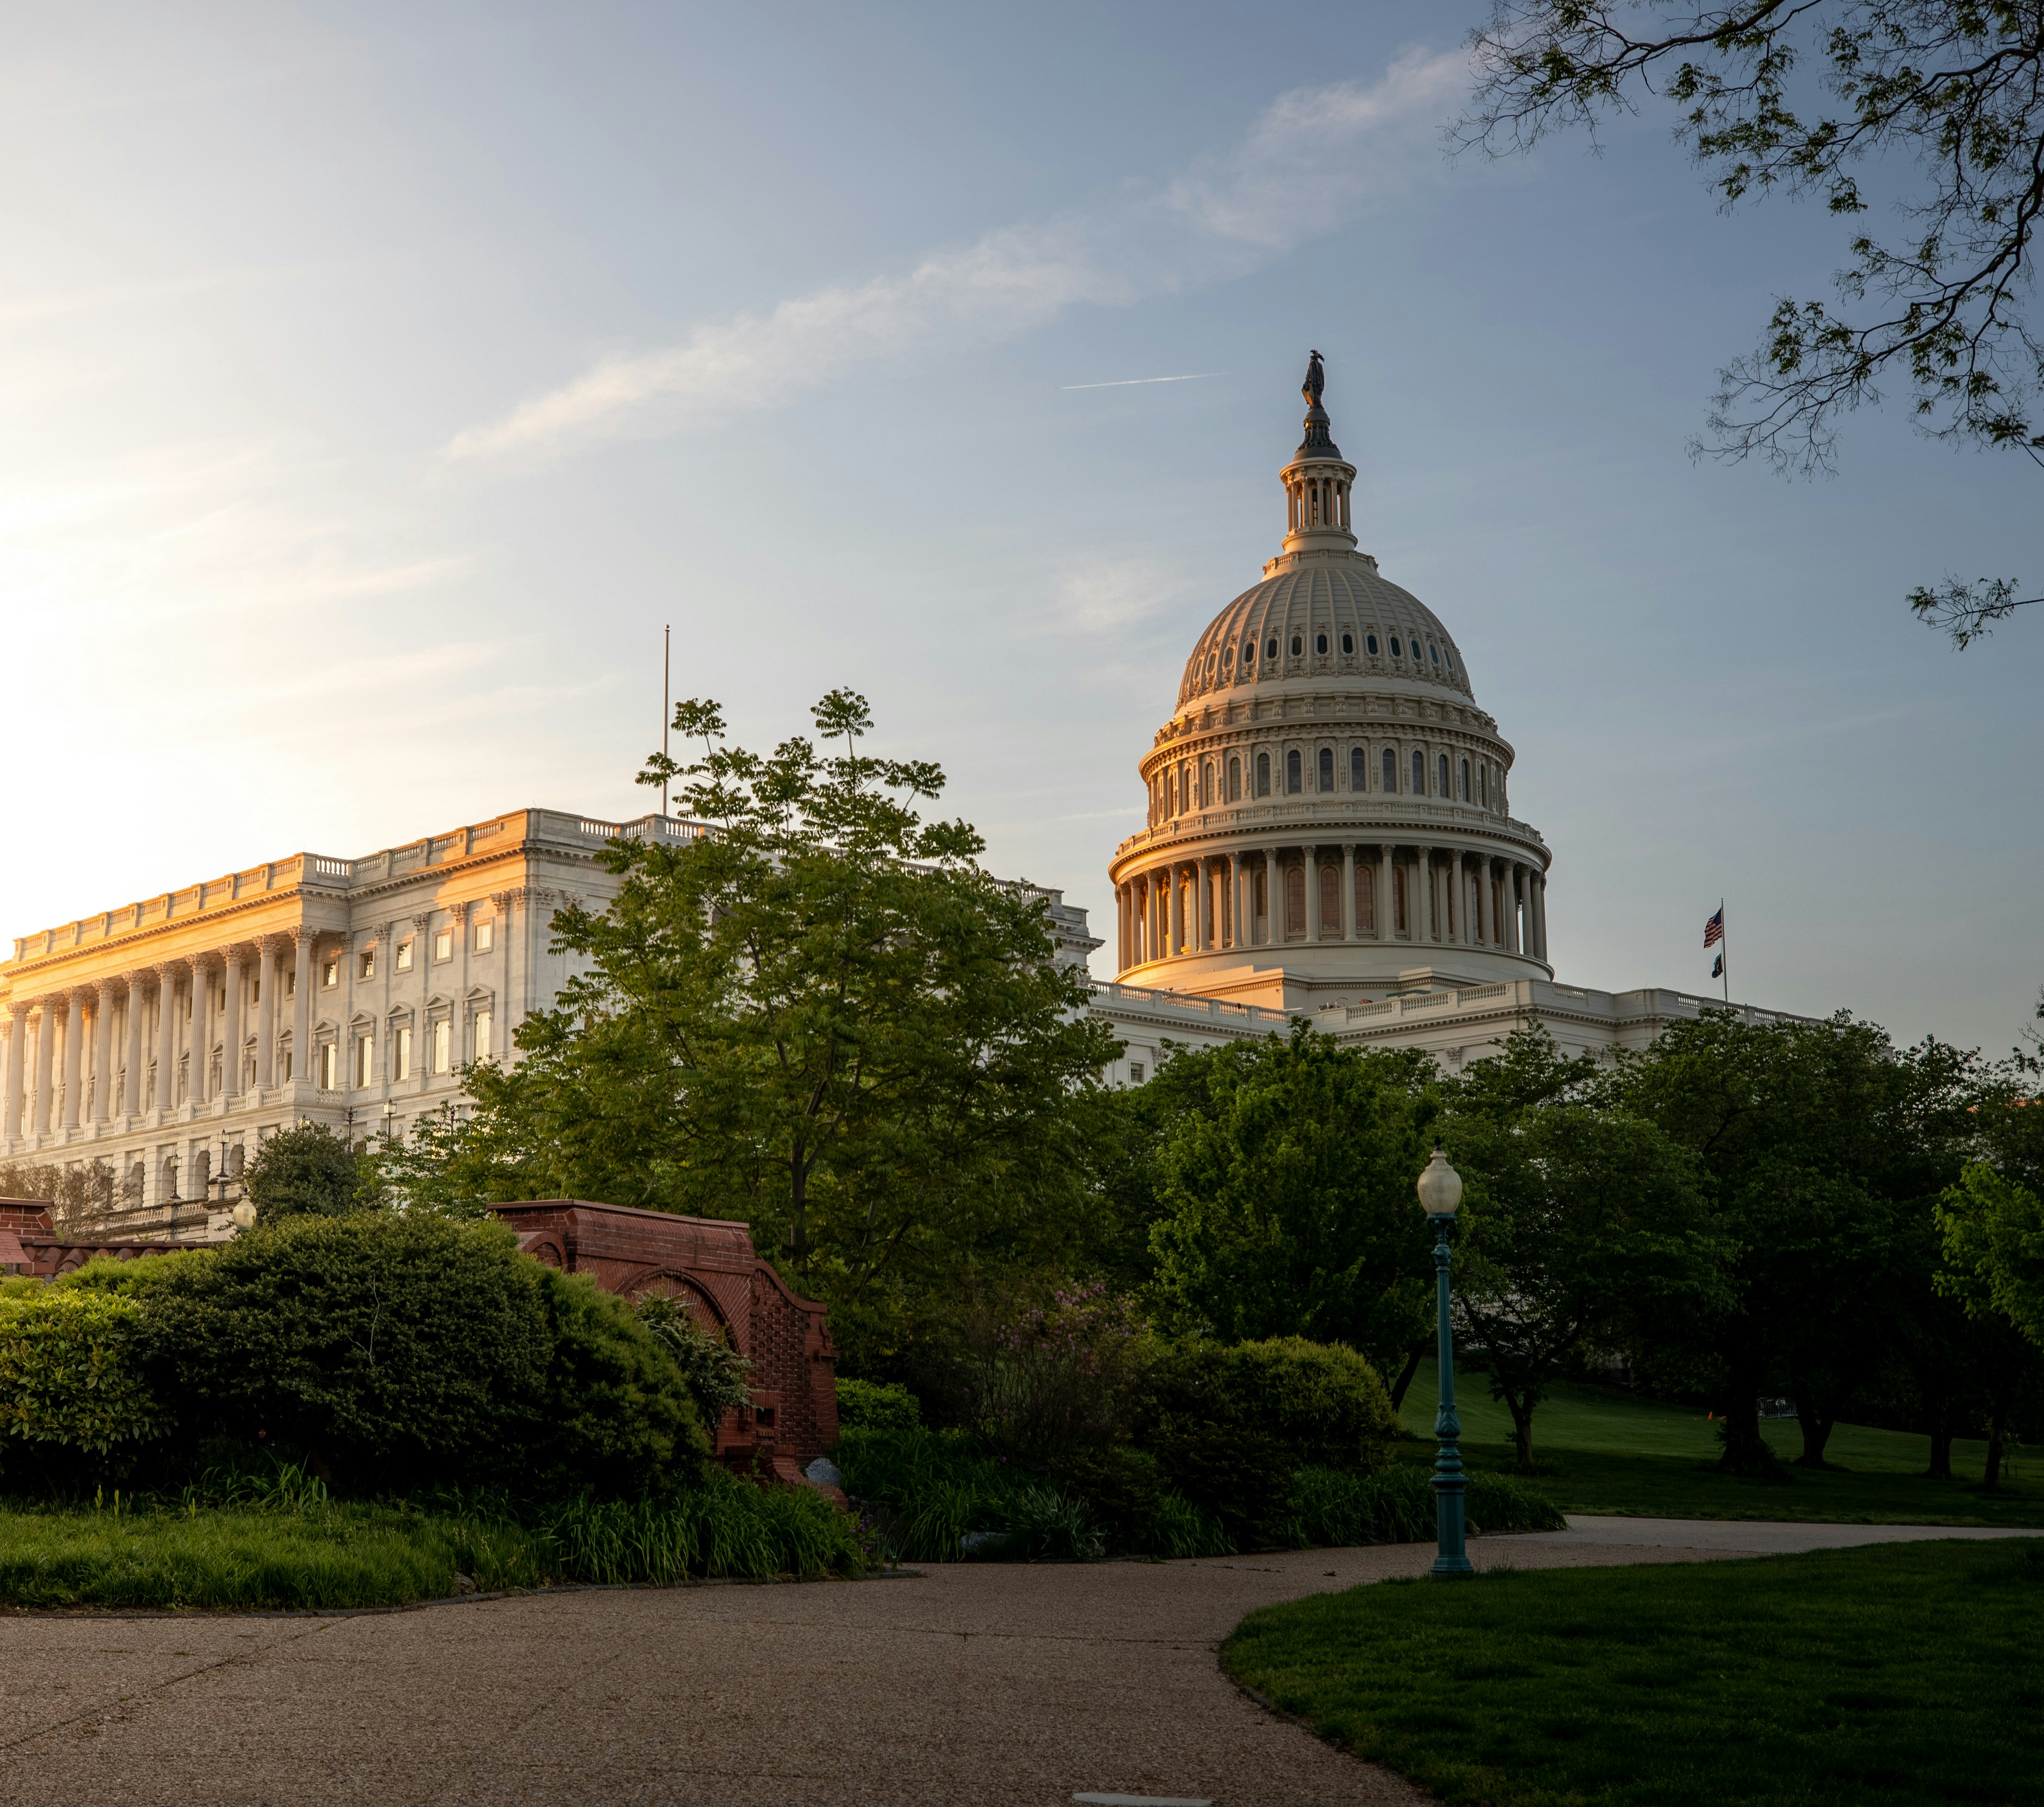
[
  {"x": 1203, "y": 867},
  {"x": 198, "y": 1038},
  {"x": 1539, "y": 894},
  {"x": 1175, "y": 930},
  {"x": 46, "y": 1050},
  {"x": 1486, "y": 930},
  {"x": 15, "y": 1077},
  {"x": 1508, "y": 907},
  {"x": 1387, "y": 894},
  {"x": 1362, "y": 899},
  {"x": 301, "y": 1004},
  {"x": 1443, "y": 894},
  {"x": 73, "y": 1062},
  {"x": 1416, "y": 904},
  {"x": 130, "y": 1083},
  {"x": 1311, "y": 854},
  {"x": 1235, "y": 939}
]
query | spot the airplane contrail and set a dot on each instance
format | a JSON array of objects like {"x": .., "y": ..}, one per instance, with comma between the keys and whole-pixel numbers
[{"x": 1131, "y": 382}]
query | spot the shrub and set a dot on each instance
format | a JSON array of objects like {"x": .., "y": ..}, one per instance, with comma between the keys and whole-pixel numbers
[
  {"x": 309, "y": 1171},
  {"x": 725, "y": 1527},
  {"x": 715, "y": 1371},
  {"x": 876, "y": 1405},
  {"x": 1047, "y": 1380},
  {"x": 70, "y": 1385},
  {"x": 1323, "y": 1404}
]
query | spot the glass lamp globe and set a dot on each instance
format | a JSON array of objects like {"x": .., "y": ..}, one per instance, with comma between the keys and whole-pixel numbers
[
  {"x": 1440, "y": 1188},
  {"x": 243, "y": 1215}
]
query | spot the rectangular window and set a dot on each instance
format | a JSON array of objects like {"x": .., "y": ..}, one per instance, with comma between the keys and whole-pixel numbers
[
  {"x": 329, "y": 1066},
  {"x": 1135, "y": 1073},
  {"x": 442, "y": 1044},
  {"x": 291, "y": 984},
  {"x": 443, "y": 944},
  {"x": 1419, "y": 773},
  {"x": 1326, "y": 769},
  {"x": 329, "y": 973},
  {"x": 485, "y": 937},
  {"x": 1294, "y": 783},
  {"x": 287, "y": 1066},
  {"x": 404, "y": 957},
  {"x": 369, "y": 965},
  {"x": 365, "y": 1060},
  {"x": 401, "y": 1055},
  {"x": 482, "y": 1048}
]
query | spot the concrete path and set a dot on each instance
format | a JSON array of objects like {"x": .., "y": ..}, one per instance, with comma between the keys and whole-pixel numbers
[
  {"x": 1753, "y": 1537},
  {"x": 1010, "y": 1687}
]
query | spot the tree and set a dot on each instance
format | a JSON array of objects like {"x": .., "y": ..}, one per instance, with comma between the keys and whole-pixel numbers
[
  {"x": 1578, "y": 1222},
  {"x": 1955, "y": 85},
  {"x": 1813, "y": 1138},
  {"x": 1994, "y": 1242},
  {"x": 76, "y": 1195},
  {"x": 1286, "y": 1190},
  {"x": 307, "y": 1171},
  {"x": 821, "y": 1017}
]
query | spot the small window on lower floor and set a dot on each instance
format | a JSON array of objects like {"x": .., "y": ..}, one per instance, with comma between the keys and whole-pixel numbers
[
  {"x": 483, "y": 1050},
  {"x": 329, "y": 972},
  {"x": 365, "y": 1060},
  {"x": 442, "y": 1044},
  {"x": 401, "y": 1055},
  {"x": 1135, "y": 1073},
  {"x": 443, "y": 944},
  {"x": 485, "y": 937},
  {"x": 329, "y": 1066}
]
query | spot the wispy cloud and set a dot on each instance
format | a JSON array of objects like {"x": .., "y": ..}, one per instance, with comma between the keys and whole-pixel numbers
[
  {"x": 1315, "y": 160},
  {"x": 1137, "y": 382}
]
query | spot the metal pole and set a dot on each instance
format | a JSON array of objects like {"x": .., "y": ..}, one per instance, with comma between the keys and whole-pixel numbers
[
  {"x": 667, "y": 701},
  {"x": 1453, "y": 1556}
]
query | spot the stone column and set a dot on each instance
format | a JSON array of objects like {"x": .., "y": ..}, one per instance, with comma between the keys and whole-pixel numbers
[
  {"x": 165, "y": 1097},
  {"x": 1236, "y": 938},
  {"x": 1311, "y": 855},
  {"x": 1348, "y": 892},
  {"x": 1538, "y": 891},
  {"x": 1419, "y": 906},
  {"x": 1177, "y": 930},
  {"x": 74, "y": 1066},
  {"x": 131, "y": 1085},
  {"x": 198, "y": 1038},
  {"x": 16, "y": 1079},
  {"x": 266, "y": 950},
  {"x": 302, "y": 1005},
  {"x": 46, "y": 1050},
  {"x": 1203, "y": 910},
  {"x": 1387, "y": 897},
  {"x": 230, "y": 1030},
  {"x": 102, "y": 1050},
  {"x": 1513, "y": 936}
]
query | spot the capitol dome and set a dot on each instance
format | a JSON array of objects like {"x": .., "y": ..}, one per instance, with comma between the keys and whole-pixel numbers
[{"x": 1329, "y": 818}]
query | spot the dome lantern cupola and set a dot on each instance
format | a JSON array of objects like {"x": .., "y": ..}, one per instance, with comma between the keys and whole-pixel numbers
[{"x": 1318, "y": 481}]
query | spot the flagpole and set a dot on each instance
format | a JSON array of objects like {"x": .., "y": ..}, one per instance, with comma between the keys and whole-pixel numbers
[
  {"x": 667, "y": 701},
  {"x": 1724, "y": 954}
]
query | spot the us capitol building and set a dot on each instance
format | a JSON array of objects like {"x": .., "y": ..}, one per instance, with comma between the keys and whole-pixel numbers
[{"x": 1329, "y": 836}]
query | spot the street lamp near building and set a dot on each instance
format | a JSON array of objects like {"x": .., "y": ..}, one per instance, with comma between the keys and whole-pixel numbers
[{"x": 1440, "y": 1189}]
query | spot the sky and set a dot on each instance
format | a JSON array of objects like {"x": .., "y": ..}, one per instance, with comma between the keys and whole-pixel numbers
[{"x": 377, "y": 381}]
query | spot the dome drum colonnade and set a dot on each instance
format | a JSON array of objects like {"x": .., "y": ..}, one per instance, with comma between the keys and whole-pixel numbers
[{"x": 1343, "y": 700}]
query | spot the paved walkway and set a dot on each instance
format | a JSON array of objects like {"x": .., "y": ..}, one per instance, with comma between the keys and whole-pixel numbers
[
  {"x": 970, "y": 1685},
  {"x": 1754, "y": 1536}
]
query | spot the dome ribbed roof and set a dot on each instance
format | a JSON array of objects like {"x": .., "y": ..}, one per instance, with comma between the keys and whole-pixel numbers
[{"x": 1320, "y": 597}]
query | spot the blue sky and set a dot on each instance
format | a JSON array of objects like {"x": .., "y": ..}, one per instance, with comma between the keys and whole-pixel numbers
[{"x": 376, "y": 382}]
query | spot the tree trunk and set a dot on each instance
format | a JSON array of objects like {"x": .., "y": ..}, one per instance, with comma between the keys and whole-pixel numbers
[
  {"x": 1413, "y": 1357},
  {"x": 1521, "y": 1408},
  {"x": 1941, "y": 1454},
  {"x": 1816, "y": 1427},
  {"x": 1997, "y": 1442},
  {"x": 1745, "y": 1451}
]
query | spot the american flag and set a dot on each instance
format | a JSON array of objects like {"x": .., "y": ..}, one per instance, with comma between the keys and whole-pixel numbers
[{"x": 1714, "y": 929}]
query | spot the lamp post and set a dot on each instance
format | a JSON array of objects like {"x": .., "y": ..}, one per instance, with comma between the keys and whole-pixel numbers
[{"x": 1440, "y": 1191}]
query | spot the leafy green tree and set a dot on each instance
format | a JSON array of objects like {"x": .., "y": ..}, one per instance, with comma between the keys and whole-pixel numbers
[
  {"x": 1800, "y": 97},
  {"x": 307, "y": 1171},
  {"x": 1813, "y": 1140},
  {"x": 822, "y": 1016},
  {"x": 1994, "y": 1241},
  {"x": 1285, "y": 1188},
  {"x": 1579, "y": 1223}
]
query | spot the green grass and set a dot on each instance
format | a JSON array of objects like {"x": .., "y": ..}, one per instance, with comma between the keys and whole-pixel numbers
[
  {"x": 1596, "y": 1449},
  {"x": 1886, "y": 1677}
]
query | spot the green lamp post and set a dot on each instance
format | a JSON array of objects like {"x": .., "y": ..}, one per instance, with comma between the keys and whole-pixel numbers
[{"x": 1440, "y": 1191}]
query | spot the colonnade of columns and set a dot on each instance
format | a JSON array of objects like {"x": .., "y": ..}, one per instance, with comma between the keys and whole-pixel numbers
[
  {"x": 1424, "y": 894},
  {"x": 174, "y": 1013}
]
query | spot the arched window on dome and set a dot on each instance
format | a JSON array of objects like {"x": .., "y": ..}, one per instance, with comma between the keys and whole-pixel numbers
[
  {"x": 1366, "y": 899},
  {"x": 1419, "y": 773},
  {"x": 1442, "y": 771},
  {"x": 1394, "y": 647},
  {"x": 1298, "y": 646},
  {"x": 1263, "y": 774},
  {"x": 1320, "y": 645},
  {"x": 1390, "y": 770},
  {"x": 1270, "y": 647},
  {"x": 1369, "y": 641},
  {"x": 1483, "y": 785},
  {"x": 1294, "y": 776},
  {"x": 1348, "y": 643},
  {"x": 1359, "y": 769},
  {"x": 1326, "y": 769},
  {"x": 1227, "y": 658},
  {"x": 1209, "y": 797},
  {"x": 1330, "y": 876},
  {"x": 1234, "y": 780},
  {"x": 1465, "y": 795},
  {"x": 1433, "y": 652},
  {"x": 1248, "y": 654},
  {"x": 1295, "y": 900}
]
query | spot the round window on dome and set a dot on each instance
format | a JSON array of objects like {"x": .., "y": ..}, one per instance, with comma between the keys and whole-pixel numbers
[
  {"x": 1270, "y": 647},
  {"x": 1321, "y": 644},
  {"x": 1298, "y": 646},
  {"x": 1371, "y": 641},
  {"x": 1249, "y": 652},
  {"x": 1348, "y": 642},
  {"x": 1227, "y": 658},
  {"x": 1433, "y": 652},
  {"x": 1395, "y": 652}
]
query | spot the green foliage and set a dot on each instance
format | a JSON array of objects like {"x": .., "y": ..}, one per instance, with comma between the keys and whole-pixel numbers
[
  {"x": 722, "y": 1528},
  {"x": 70, "y": 1383},
  {"x": 715, "y": 1371},
  {"x": 876, "y": 1405},
  {"x": 307, "y": 1171},
  {"x": 617, "y": 1416},
  {"x": 1285, "y": 1180},
  {"x": 1321, "y": 1403},
  {"x": 1887, "y": 1677},
  {"x": 1395, "y": 1505},
  {"x": 1994, "y": 1243},
  {"x": 75, "y": 1195},
  {"x": 822, "y": 1018}
]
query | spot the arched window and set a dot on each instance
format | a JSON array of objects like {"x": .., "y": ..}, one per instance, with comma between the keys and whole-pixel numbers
[
  {"x": 1270, "y": 647},
  {"x": 1359, "y": 769},
  {"x": 1321, "y": 644},
  {"x": 1263, "y": 774},
  {"x": 1441, "y": 771},
  {"x": 1235, "y": 780},
  {"x": 1348, "y": 642},
  {"x": 1465, "y": 797},
  {"x": 1293, "y": 781},
  {"x": 1419, "y": 774},
  {"x": 1394, "y": 647},
  {"x": 1371, "y": 641},
  {"x": 1249, "y": 652},
  {"x": 1399, "y": 914},
  {"x": 1298, "y": 645},
  {"x": 1433, "y": 652},
  {"x": 1330, "y": 900},
  {"x": 1390, "y": 770},
  {"x": 1208, "y": 799},
  {"x": 1326, "y": 768},
  {"x": 1365, "y": 899},
  {"x": 1295, "y": 900},
  {"x": 1483, "y": 785}
]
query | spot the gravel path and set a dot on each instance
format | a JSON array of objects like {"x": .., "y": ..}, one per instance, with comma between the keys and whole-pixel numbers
[{"x": 971, "y": 1684}]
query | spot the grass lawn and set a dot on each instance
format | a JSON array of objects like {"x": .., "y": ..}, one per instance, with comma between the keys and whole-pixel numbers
[
  {"x": 1596, "y": 1449},
  {"x": 1903, "y": 1673}
]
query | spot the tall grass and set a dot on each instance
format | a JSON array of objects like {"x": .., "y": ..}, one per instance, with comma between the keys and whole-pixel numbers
[{"x": 721, "y": 1529}]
